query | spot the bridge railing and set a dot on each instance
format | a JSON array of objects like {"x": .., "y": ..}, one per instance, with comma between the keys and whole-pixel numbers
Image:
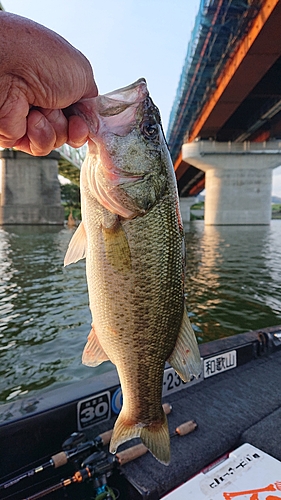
[
  {"x": 74, "y": 156},
  {"x": 209, "y": 147},
  {"x": 219, "y": 28}
]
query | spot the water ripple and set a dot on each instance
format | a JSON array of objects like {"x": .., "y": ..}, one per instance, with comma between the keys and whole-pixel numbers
[
  {"x": 233, "y": 284},
  {"x": 44, "y": 312},
  {"x": 233, "y": 278}
]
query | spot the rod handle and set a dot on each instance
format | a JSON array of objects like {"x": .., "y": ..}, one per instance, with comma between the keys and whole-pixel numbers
[
  {"x": 186, "y": 428},
  {"x": 59, "y": 459},
  {"x": 130, "y": 454},
  {"x": 167, "y": 407},
  {"x": 106, "y": 436}
]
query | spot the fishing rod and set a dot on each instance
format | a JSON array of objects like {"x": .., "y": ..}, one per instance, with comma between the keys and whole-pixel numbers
[
  {"x": 99, "y": 466},
  {"x": 72, "y": 449}
]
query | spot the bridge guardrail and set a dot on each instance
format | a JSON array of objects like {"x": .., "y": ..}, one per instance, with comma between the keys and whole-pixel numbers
[
  {"x": 73, "y": 155},
  {"x": 209, "y": 147}
]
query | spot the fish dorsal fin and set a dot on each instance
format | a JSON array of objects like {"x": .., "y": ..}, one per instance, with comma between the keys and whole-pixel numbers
[
  {"x": 117, "y": 248},
  {"x": 185, "y": 358},
  {"x": 93, "y": 354},
  {"x": 77, "y": 246}
]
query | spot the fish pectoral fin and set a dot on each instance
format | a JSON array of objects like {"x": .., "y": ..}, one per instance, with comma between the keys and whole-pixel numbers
[
  {"x": 77, "y": 246},
  {"x": 155, "y": 437},
  {"x": 117, "y": 248},
  {"x": 185, "y": 358},
  {"x": 93, "y": 354}
]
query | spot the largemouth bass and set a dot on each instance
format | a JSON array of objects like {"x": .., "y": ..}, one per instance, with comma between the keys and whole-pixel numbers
[{"x": 132, "y": 237}]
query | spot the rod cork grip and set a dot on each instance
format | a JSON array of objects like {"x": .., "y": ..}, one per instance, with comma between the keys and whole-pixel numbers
[
  {"x": 59, "y": 459},
  {"x": 130, "y": 454},
  {"x": 106, "y": 436},
  {"x": 167, "y": 407},
  {"x": 186, "y": 428}
]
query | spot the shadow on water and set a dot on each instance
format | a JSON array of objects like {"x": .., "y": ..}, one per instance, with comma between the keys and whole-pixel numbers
[
  {"x": 233, "y": 279},
  {"x": 44, "y": 312}
]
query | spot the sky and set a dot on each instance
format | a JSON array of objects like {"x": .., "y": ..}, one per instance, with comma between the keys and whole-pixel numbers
[{"x": 125, "y": 40}]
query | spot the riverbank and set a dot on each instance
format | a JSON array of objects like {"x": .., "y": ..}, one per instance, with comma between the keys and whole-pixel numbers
[
  {"x": 276, "y": 211},
  {"x": 197, "y": 211}
]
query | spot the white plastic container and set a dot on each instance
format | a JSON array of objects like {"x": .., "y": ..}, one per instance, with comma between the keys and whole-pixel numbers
[{"x": 247, "y": 474}]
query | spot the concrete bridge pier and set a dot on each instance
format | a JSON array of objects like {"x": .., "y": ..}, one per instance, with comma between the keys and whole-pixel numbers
[
  {"x": 238, "y": 180},
  {"x": 30, "y": 189},
  {"x": 185, "y": 205}
]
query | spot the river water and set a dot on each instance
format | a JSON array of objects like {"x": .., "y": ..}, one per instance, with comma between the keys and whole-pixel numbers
[{"x": 233, "y": 285}]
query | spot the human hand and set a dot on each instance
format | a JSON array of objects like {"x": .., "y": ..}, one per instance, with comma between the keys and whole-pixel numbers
[{"x": 41, "y": 75}]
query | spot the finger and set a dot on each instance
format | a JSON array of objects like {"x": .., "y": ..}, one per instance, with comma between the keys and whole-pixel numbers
[
  {"x": 59, "y": 123},
  {"x": 7, "y": 143},
  {"x": 13, "y": 120},
  {"x": 78, "y": 131},
  {"x": 40, "y": 137},
  {"x": 41, "y": 133}
]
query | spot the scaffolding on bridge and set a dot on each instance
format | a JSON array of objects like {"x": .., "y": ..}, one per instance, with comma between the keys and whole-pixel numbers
[{"x": 219, "y": 26}]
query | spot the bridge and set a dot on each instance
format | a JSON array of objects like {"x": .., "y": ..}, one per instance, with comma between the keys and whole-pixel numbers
[
  {"x": 30, "y": 189},
  {"x": 29, "y": 186},
  {"x": 229, "y": 92},
  {"x": 70, "y": 162},
  {"x": 224, "y": 127}
]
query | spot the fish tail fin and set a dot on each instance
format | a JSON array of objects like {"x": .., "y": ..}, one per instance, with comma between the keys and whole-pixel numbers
[
  {"x": 155, "y": 437},
  {"x": 123, "y": 431}
]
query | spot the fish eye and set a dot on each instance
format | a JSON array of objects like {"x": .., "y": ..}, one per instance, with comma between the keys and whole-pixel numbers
[{"x": 149, "y": 130}]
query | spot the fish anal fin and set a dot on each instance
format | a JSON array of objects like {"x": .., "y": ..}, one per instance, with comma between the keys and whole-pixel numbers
[
  {"x": 77, "y": 246},
  {"x": 117, "y": 248},
  {"x": 185, "y": 358},
  {"x": 93, "y": 354},
  {"x": 154, "y": 436}
]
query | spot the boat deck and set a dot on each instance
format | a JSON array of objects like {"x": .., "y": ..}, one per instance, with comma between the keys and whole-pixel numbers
[
  {"x": 236, "y": 407},
  {"x": 239, "y": 405}
]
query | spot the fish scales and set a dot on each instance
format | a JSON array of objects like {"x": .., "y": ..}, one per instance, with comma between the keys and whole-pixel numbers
[
  {"x": 143, "y": 308},
  {"x": 135, "y": 268}
]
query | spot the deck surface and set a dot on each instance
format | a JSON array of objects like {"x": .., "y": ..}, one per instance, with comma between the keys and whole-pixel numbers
[{"x": 239, "y": 406}]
